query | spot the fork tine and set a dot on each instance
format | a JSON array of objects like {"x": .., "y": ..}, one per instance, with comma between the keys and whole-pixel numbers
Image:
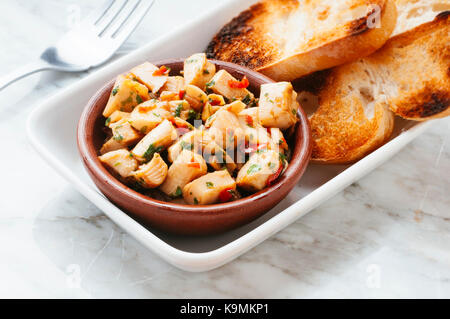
[
  {"x": 95, "y": 16},
  {"x": 132, "y": 21},
  {"x": 108, "y": 20},
  {"x": 120, "y": 20}
]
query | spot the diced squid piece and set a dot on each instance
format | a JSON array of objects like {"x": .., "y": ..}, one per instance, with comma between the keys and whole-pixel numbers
[
  {"x": 116, "y": 116},
  {"x": 123, "y": 136},
  {"x": 261, "y": 168},
  {"x": 198, "y": 70},
  {"x": 217, "y": 157},
  {"x": 216, "y": 99},
  {"x": 180, "y": 108},
  {"x": 169, "y": 96},
  {"x": 148, "y": 74},
  {"x": 249, "y": 117},
  {"x": 187, "y": 167},
  {"x": 235, "y": 107},
  {"x": 195, "y": 97},
  {"x": 125, "y": 95},
  {"x": 148, "y": 115},
  {"x": 220, "y": 84},
  {"x": 182, "y": 126},
  {"x": 120, "y": 161},
  {"x": 208, "y": 111},
  {"x": 158, "y": 139},
  {"x": 208, "y": 188},
  {"x": 225, "y": 128},
  {"x": 174, "y": 84},
  {"x": 278, "y": 105},
  {"x": 278, "y": 139},
  {"x": 153, "y": 173},
  {"x": 192, "y": 141}
]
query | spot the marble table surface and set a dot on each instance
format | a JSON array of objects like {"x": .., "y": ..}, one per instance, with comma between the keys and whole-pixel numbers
[{"x": 387, "y": 235}]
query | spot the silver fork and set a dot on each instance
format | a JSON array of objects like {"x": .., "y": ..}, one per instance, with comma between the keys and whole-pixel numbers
[{"x": 90, "y": 43}]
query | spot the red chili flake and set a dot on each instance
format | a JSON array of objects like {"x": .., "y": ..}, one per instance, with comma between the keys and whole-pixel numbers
[
  {"x": 226, "y": 195},
  {"x": 181, "y": 94},
  {"x": 214, "y": 102},
  {"x": 242, "y": 84},
  {"x": 161, "y": 71},
  {"x": 194, "y": 165},
  {"x": 249, "y": 120},
  {"x": 274, "y": 176}
]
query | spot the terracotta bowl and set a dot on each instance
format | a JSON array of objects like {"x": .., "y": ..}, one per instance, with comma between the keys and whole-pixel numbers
[{"x": 179, "y": 218}]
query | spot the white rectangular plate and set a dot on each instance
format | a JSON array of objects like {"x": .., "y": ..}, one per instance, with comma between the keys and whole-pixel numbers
[{"x": 52, "y": 130}]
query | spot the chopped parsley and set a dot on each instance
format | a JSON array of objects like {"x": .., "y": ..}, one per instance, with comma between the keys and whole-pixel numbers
[
  {"x": 282, "y": 157},
  {"x": 117, "y": 164},
  {"x": 118, "y": 137},
  {"x": 178, "y": 110},
  {"x": 186, "y": 146},
  {"x": 178, "y": 192},
  {"x": 247, "y": 99},
  {"x": 108, "y": 120},
  {"x": 148, "y": 155},
  {"x": 192, "y": 115},
  {"x": 209, "y": 185},
  {"x": 156, "y": 114},
  {"x": 138, "y": 99},
  {"x": 294, "y": 112},
  {"x": 210, "y": 84},
  {"x": 205, "y": 71},
  {"x": 115, "y": 90},
  {"x": 195, "y": 201},
  {"x": 253, "y": 169}
]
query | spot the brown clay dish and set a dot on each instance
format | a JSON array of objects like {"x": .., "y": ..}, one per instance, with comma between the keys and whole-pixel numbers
[{"x": 179, "y": 218}]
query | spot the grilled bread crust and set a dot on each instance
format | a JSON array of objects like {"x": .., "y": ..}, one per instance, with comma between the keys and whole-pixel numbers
[
  {"x": 287, "y": 39},
  {"x": 410, "y": 75}
]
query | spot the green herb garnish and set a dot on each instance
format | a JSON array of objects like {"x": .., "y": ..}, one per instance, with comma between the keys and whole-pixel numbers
[
  {"x": 186, "y": 146},
  {"x": 108, "y": 120},
  {"x": 282, "y": 157},
  {"x": 195, "y": 201},
  {"x": 205, "y": 71},
  {"x": 247, "y": 99},
  {"x": 210, "y": 84},
  {"x": 115, "y": 90},
  {"x": 138, "y": 99},
  {"x": 148, "y": 155},
  {"x": 178, "y": 192},
  {"x": 118, "y": 137},
  {"x": 253, "y": 169},
  {"x": 192, "y": 115},
  {"x": 178, "y": 110},
  {"x": 209, "y": 185}
]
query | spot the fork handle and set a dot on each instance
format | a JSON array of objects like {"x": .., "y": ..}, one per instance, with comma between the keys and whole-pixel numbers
[{"x": 22, "y": 72}]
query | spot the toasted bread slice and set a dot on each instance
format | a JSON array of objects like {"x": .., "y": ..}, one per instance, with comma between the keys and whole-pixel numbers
[
  {"x": 286, "y": 39},
  {"x": 412, "y": 13},
  {"x": 410, "y": 75}
]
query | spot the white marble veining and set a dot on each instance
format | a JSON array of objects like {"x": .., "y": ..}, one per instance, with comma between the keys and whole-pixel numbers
[{"x": 387, "y": 235}]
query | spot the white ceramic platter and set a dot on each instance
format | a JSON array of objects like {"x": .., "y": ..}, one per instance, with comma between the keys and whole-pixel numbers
[{"x": 52, "y": 130}]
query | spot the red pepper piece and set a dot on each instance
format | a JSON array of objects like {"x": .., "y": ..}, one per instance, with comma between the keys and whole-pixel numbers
[
  {"x": 242, "y": 84},
  {"x": 226, "y": 195},
  {"x": 161, "y": 71}
]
